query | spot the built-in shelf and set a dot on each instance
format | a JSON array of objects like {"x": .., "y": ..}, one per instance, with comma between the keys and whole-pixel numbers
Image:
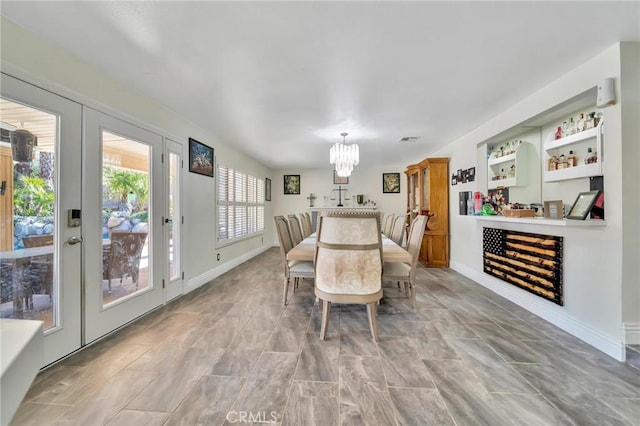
[
  {"x": 579, "y": 143},
  {"x": 502, "y": 165},
  {"x": 544, "y": 221}
]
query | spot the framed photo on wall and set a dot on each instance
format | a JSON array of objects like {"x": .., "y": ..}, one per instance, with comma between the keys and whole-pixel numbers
[
  {"x": 267, "y": 189},
  {"x": 339, "y": 180},
  {"x": 291, "y": 184},
  {"x": 391, "y": 183},
  {"x": 200, "y": 158}
]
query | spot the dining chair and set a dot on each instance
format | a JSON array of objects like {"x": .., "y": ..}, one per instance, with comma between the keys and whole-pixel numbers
[
  {"x": 295, "y": 269},
  {"x": 122, "y": 257},
  {"x": 388, "y": 224},
  {"x": 295, "y": 229},
  {"x": 309, "y": 221},
  {"x": 397, "y": 230},
  {"x": 348, "y": 264},
  {"x": 305, "y": 225},
  {"x": 39, "y": 268},
  {"x": 406, "y": 272}
]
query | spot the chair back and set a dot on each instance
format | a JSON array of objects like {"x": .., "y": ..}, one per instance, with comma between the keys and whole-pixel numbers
[
  {"x": 37, "y": 240},
  {"x": 295, "y": 229},
  {"x": 284, "y": 237},
  {"x": 397, "y": 231},
  {"x": 388, "y": 224},
  {"x": 123, "y": 256},
  {"x": 310, "y": 222},
  {"x": 305, "y": 225},
  {"x": 414, "y": 243},
  {"x": 348, "y": 258}
]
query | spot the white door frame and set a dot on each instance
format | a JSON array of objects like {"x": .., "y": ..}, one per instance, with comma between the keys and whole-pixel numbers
[{"x": 174, "y": 286}]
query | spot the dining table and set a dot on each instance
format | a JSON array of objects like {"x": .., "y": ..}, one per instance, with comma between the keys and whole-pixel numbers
[{"x": 391, "y": 252}]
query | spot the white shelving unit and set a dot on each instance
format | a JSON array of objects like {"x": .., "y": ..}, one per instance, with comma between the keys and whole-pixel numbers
[
  {"x": 497, "y": 165},
  {"x": 579, "y": 143},
  {"x": 544, "y": 221}
]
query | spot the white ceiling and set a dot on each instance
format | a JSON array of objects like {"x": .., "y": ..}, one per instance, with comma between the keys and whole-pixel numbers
[{"x": 282, "y": 80}]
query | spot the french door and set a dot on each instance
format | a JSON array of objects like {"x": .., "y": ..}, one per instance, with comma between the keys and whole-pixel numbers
[
  {"x": 40, "y": 201},
  {"x": 124, "y": 206},
  {"x": 173, "y": 166}
]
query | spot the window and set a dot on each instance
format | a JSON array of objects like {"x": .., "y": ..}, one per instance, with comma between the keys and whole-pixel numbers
[{"x": 240, "y": 204}]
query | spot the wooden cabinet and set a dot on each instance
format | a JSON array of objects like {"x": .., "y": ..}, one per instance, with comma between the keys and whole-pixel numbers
[
  {"x": 6, "y": 199},
  {"x": 428, "y": 194}
]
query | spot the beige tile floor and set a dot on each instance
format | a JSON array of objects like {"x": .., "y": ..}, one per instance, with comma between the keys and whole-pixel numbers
[{"x": 230, "y": 353}]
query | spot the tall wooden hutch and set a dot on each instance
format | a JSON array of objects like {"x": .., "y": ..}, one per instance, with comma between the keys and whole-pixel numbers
[{"x": 428, "y": 194}]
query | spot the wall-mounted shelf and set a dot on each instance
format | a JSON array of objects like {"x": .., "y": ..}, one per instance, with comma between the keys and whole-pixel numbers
[
  {"x": 579, "y": 143},
  {"x": 502, "y": 165}
]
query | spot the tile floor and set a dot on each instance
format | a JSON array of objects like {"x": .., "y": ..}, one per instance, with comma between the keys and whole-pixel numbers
[{"x": 230, "y": 353}]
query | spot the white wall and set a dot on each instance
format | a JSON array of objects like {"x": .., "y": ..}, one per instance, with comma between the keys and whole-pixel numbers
[
  {"x": 38, "y": 61},
  {"x": 364, "y": 179},
  {"x": 593, "y": 279}
]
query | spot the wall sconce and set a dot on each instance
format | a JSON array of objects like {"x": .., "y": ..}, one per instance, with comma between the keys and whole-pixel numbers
[{"x": 606, "y": 94}]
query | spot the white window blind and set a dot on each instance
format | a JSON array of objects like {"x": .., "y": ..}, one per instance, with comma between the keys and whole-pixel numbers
[{"x": 240, "y": 204}]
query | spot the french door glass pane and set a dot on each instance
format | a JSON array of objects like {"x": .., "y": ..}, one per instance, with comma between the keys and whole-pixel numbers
[
  {"x": 125, "y": 217},
  {"x": 174, "y": 215},
  {"x": 28, "y": 282}
]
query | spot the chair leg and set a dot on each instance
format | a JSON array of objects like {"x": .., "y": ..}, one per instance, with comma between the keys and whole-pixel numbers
[
  {"x": 325, "y": 318},
  {"x": 286, "y": 290},
  {"x": 413, "y": 296},
  {"x": 373, "y": 325},
  {"x": 406, "y": 288}
]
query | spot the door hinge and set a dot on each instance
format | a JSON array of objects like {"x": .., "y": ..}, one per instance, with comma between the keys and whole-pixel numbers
[
  {"x": 162, "y": 221},
  {"x": 182, "y": 164},
  {"x": 163, "y": 283},
  {"x": 183, "y": 220},
  {"x": 183, "y": 275},
  {"x": 162, "y": 158}
]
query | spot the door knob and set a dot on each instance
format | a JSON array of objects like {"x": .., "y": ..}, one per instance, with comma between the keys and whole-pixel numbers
[{"x": 73, "y": 241}]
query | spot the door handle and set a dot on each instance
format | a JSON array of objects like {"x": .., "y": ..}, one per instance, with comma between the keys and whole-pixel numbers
[
  {"x": 72, "y": 241},
  {"x": 167, "y": 220}
]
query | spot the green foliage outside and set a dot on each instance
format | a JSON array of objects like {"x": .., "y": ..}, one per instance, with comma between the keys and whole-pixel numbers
[
  {"x": 120, "y": 182},
  {"x": 33, "y": 196}
]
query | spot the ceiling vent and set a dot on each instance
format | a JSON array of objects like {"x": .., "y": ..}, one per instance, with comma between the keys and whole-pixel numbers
[{"x": 410, "y": 139}]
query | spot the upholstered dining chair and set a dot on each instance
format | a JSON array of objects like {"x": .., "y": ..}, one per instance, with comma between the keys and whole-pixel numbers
[
  {"x": 310, "y": 222},
  {"x": 388, "y": 224},
  {"x": 397, "y": 231},
  {"x": 406, "y": 272},
  {"x": 295, "y": 229},
  {"x": 305, "y": 225},
  {"x": 348, "y": 264},
  {"x": 122, "y": 257},
  {"x": 295, "y": 269}
]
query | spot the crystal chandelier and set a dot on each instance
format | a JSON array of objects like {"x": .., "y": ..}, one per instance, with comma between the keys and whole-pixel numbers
[{"x": 344, "y": 157}]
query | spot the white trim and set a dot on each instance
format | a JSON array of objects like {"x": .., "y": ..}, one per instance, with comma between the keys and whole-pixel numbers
[
  {"x": 595, "y": 338},
  {"x": 631, "y": 333},
  {"x": 211, "y": 274}
]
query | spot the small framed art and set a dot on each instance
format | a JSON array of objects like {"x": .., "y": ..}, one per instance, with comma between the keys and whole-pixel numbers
[
  {"x": 291, "y": 184},
  {"x": 200, "y": 158},
  {"x": 339, "y": 180},
  {"x": 391, "y": 183},
  {"x": 582, "y": 206}
]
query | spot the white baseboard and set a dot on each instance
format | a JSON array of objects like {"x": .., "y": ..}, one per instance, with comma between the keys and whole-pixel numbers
[
  {"x": 595, "y": 338},
  {"x": 631, "y": 333},
  {"x": 211, "y": 274}
]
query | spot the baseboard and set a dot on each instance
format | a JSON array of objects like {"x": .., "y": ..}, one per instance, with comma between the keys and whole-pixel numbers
[
  {"x": 211, "y": 274},
  {"x": 631, "y": 333},
  {"x": 595, "y": 338}
]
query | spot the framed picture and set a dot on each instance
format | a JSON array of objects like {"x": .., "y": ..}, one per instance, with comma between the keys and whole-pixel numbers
[
  {"x": 200, "y": 158},
  {"x": 391, "y": 183},
  {"x": 582, "y": 206},
  {"x": 339, "y": 180},
  {"x": 291, "y": 184},
  {"x": 267, "y": 189},
  {"x": 471, "y": 174}
]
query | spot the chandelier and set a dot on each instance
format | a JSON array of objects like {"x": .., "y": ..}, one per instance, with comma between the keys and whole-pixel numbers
[{"x": 344, "y": 157}]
